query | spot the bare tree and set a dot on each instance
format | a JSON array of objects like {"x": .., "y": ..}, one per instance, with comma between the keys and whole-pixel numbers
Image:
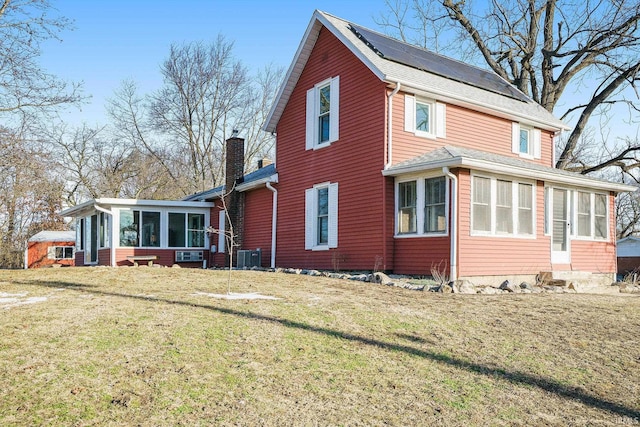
[
  {"x": 30, "y": 195},
  {"x": 183, "y": 126},
  {"x": 203, "y": 86},
  {"x": 24, "y": 86},
  {"x": 547, "y": 48}
]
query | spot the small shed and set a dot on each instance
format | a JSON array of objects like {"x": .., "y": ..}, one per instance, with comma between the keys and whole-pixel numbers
[
  {"x": 628, "y": 253},
  {"x": 49, "y": 248}
]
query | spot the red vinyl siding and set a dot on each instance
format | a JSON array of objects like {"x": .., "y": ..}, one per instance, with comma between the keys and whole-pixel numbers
[
  {"x": 257, "y": 222},
  {"x": 354, "y": 161},
  {"x": 488, "y": 255},
  {"x": 596, "y": 256},
  {"x": 104, "y": 256},
  {"x": 420, "y": 254},
  {"x": 464, "y": 128}
]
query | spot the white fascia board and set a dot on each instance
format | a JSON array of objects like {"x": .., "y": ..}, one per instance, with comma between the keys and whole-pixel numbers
[
  {"x": 293, "y": 73},
  {"x": 421, "y": 167},
  {"x": 475, "y": 105},
  {"x": 349, "y": 44},
  {"x": 576, "y": 181},
  {"x": 273, "y": 179},
  {"x": 106, "y": 203},
  {"x": 157, "y": 203},
  {"x": 77, "y": 209}
]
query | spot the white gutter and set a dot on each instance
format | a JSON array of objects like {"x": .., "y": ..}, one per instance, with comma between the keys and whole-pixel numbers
[
  {"x": 26, "y": 254},
  {"x": 390, "y": 125},
  {"x": 547, "y": 176},
  {"x": 485, "y": 107},
  {"x": 453, "y": 263},
  {"x": 274, "y": 221}
]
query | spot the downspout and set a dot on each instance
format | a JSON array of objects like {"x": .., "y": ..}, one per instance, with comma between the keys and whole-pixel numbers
[
  {"x": 274, "y": 221},
  {"x": 386, "y": 166},
  {"x": 390, "y": 125},
  {"x": 111, "y": 239},
  {"x": 453, "y": 263}
]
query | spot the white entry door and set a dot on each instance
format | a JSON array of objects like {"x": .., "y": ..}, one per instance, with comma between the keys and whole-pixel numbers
[{"x": 560, "y": 228}]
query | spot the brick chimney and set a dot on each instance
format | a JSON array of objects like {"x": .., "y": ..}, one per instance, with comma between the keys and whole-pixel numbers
[{"x": 234, "y": 171}]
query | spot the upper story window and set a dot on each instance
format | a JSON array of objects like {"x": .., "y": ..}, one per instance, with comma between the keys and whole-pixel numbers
[
  {"x": 421, "y": 206},
  {"x": 526, "y": 141},
  {"x": 321, "y": 217},
  {"x": 424, "y": 117},
  {"x": 502, "y": 207},
  {"x": 322, "y": 124}
]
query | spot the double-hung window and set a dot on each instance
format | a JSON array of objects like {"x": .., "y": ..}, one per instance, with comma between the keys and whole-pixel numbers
[
  {"x": 321, "y": 217},
  {"x": 526, "y": 141},
  {"x": 322, "y": 123},
  {"x": 502, "y": 207},
  {"x": 422, "y": 207},
  {"x": 591, "y": 215},
  {"x": 407, "y": 200},
  {"x": 424, "y": 117},
  {"x": 435, "y": 205}
]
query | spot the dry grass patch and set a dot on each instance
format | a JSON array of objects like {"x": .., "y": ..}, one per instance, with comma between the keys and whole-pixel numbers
[{"x": 144, "y": 346}]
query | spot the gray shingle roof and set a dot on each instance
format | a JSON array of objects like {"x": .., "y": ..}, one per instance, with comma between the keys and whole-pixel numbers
[
  {"x": 475, "y": 159},
  {"x": 54, "y": 236},
  {"x": 213, "y": 193},
  {"x": 410, "y": 78}
]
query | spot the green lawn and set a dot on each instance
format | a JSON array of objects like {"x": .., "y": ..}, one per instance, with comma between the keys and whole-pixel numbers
[{"x": 148, "y": 346}]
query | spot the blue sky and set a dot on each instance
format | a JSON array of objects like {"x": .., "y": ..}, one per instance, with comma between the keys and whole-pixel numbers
[{"x": 128, "y": 39}]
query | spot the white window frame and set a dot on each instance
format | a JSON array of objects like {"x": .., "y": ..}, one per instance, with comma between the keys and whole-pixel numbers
[
  {"x": 420, "y": 181},
  {"x": 437, "y": 117},
  {"x": 592, "y": 215},
  {"x": 534, "y": 143},
  {"x": 164, "y": 224},
  {"x": 51, "y": 252},
  {"x": 515, "y": 194},
  {"x": 311, "y": 217},
  {"x": 312, "y": 141}
]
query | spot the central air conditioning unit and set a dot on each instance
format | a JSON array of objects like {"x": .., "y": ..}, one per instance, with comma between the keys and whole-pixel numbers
[{"x": 249, "y": 259}]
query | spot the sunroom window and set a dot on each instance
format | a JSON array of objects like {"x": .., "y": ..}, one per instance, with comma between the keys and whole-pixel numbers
[{"x": 502, "y": 207}]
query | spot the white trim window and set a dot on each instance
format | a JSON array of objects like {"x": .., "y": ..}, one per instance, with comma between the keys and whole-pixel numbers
[
  {"x": 421, "y": 206},
  {"x": 186, "y": 230},
  {"x": 591, "y": 215},
  {"x": 60, "y": 252},
  {"x": 140, "y": 228},
  {"x": 321, "y": 217},
  {"x": 322, "y": 114},
  {"x": 502, "y": 207},
  {"x": 424, "y": 117},
  {"x": 407, "y": 201},
  {"x": 526, "y": 141}
]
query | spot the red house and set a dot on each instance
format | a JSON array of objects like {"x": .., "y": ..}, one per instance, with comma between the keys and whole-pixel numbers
[
  {"x": 394, "y": 158},
  {"x": 48, "y": 248}
]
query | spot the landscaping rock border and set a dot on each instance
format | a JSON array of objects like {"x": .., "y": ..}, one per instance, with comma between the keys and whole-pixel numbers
[{"x": 455, "y": 287}]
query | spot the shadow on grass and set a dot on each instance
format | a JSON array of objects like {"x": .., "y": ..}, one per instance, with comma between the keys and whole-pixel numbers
[{"x": 512, "y": 376}]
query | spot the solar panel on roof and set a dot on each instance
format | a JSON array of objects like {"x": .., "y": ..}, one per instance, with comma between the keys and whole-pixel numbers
[{"x": 421, "y": 59}]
